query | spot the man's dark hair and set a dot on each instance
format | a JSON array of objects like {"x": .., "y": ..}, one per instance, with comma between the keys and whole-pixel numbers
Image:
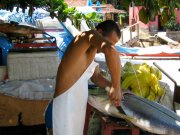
[{"x": 108, "y": 26}]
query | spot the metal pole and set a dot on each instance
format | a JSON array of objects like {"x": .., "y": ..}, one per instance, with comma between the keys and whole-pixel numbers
[{"x": 138, "y": 30}]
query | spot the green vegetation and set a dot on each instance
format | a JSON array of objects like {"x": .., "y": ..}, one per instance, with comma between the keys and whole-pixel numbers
[
  {"x": 55, "y": 7},
  {"x": 123, "y": 19},
  {"x": 76, "y": 17},
  {"x": 59, "y": 9},
  {"x": 92, "y": 19},
  {"x": 151, "y": 8},
  {"x": 171, "y": 24}
]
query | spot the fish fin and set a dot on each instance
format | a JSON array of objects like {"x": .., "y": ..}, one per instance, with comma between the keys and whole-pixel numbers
[{"x": 120, "y": 109}]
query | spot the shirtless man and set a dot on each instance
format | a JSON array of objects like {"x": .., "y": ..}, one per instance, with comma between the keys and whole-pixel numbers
[{"x": 76, "y": 67}]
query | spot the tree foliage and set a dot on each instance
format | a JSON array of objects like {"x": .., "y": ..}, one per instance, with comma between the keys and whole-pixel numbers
[
  {"x": 58, "y": 8},
  {"x": 76, "y": 17},
  {"x": 55, "y": 7},
  {"x": 151, "y": 8}
]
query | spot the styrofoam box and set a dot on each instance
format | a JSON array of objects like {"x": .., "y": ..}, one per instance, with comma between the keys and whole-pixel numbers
[{"x": 35, "y": 65}]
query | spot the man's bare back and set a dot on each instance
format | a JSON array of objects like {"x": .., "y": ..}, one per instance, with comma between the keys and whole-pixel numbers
[{"x": 77, "y": 58}]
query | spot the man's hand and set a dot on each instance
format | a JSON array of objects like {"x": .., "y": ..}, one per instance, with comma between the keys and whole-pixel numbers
[{"x": 115, "y": 96}]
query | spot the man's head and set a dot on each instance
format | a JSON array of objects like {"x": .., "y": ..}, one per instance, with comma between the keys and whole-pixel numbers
[{"x": 110, "y": 30}]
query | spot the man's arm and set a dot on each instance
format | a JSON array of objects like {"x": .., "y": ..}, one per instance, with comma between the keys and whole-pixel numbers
[
  {"x": 113, "y": 63},
  {"x": 99, "y": 80}
]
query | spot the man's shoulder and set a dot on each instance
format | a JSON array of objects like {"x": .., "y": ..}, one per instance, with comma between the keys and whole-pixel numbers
[
  {"x": 93, "y": 32},
  {"x": 87, "y": 33}
]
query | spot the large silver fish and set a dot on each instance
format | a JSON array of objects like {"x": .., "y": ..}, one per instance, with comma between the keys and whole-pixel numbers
[{"x": 145, "y": 114}]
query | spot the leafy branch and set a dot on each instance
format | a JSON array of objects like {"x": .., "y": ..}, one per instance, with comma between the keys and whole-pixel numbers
[
  {"x": 151, "y": 8},
  {"x": 76, "y": 17},
  {"x": 55, "y": 7}
]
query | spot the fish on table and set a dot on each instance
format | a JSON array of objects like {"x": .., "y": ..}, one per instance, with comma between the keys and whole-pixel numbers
[{"x": 143, "y": 113}]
